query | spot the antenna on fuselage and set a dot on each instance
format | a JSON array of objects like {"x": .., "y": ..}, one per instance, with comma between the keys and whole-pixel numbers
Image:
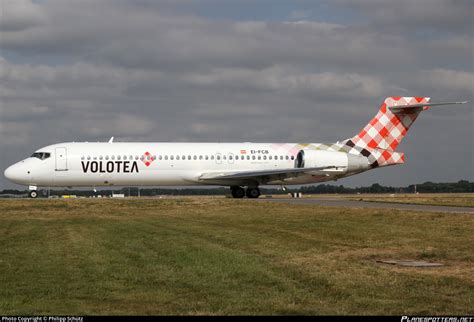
[{"x": 111, "y": 140}]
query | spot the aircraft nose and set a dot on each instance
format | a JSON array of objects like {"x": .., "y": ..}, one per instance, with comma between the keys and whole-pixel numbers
[
  {"x": 9, "y": 173},
  {"x": 13, "y": 173}
]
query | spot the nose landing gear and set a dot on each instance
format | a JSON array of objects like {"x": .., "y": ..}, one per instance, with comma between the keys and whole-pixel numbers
[{"x": 33, "y": 192}]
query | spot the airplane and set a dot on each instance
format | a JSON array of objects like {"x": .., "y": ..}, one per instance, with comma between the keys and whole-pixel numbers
[{"x": 241, "y": 166}]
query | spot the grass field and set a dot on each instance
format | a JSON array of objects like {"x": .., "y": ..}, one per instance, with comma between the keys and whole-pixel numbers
[
  {"x": 436, "y": 199},
  {"x": 220, "y": 256}
]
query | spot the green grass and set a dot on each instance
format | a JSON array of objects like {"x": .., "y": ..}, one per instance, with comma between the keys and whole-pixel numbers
[
  {"x": 436, "y": 199},
  {"x": 218, "y": 256}
]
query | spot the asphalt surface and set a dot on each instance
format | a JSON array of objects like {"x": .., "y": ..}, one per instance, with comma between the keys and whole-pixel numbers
[{"x": 370, "y": 204}]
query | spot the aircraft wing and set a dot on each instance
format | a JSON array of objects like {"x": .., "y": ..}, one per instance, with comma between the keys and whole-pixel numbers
[{"x": 263, "y": 176}]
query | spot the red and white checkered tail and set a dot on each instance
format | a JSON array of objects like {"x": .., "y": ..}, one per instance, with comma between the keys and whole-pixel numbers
[
  {"x": 387, "y": 129},
  {"x": 381, "y": 136}
]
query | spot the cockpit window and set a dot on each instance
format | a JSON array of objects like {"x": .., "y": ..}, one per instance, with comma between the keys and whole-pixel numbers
[{"x": 41, "y": 155}]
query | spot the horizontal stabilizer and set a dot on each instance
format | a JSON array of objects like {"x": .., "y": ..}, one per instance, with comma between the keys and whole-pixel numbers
[{"x": 414, "y": 107}]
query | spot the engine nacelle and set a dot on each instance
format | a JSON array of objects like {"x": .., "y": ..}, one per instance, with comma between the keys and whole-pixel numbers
[{"x": 340, "y": 161}]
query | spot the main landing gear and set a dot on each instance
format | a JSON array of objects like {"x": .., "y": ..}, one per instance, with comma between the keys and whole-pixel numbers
[{"x": 239, "y": 192}]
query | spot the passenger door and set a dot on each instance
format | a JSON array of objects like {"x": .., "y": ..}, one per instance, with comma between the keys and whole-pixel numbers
[{"x": 61, "y": 159}]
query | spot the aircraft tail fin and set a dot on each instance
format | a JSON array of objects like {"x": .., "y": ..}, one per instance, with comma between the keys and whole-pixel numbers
[{"x": 382, "y": 135}]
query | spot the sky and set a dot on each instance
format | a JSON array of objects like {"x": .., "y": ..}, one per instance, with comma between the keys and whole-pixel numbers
[{"x": 237, "y": 71}]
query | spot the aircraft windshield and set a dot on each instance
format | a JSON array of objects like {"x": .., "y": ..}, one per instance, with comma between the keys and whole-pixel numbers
[{"x": 41, "y": 155}]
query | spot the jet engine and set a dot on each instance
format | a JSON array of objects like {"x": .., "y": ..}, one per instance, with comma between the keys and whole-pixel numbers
[{"x": 333, "y": 160}]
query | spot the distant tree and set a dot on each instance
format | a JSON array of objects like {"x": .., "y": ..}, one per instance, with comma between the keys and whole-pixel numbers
[{"x": 463, "y": 186}]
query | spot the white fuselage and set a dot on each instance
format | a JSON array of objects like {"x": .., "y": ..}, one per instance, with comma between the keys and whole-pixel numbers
[{"x": 154, "y": 164}]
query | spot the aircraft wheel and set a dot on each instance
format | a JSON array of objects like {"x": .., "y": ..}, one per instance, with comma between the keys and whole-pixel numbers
[
  {"x": 33, "y": 194},
  {"x": 253, "y": 193},
  {"x": 237, "y": 192}
]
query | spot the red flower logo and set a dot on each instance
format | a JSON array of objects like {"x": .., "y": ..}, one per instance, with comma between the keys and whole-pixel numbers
[{"x": 147, "y": 158}]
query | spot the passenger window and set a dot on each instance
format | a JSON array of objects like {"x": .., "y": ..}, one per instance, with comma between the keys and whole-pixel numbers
[
  {"x": 82, "y": 158},
  {"x": 119, "y": 157},
  {"x": 212, "y": 157},
  {"x": 224, "y": 157},
  {"x": 125, "y": 157},
  {"x": 177, "y": 157},
  {"x": 106, "y": 157},
  {"x": 189, "y": 157},
  {"x": 166, "y": 157},
  {"x": 242, "y": 157},
  {"x": 200, "y": 157},
  {"x": 292, "y": 157},
  {"x": 287, "y": 157},
  {"x": 207, "y": 157},
  {"x": 281, "y": 157},
  {"x": 112, "y": 157},
  {"x": 160, "y": 157},
  {"x": 218, "y": 157},
  {"x": 195, "y": 157},
  {"x": 259, "y": 157},
  {"x": 171, "y": 157},
  {"x": 253, "y": 157},
  {"x": 101, "y": 157},
  {"x": 230, "y": 157},
  {"x": 95, "y": 157},
  {"x": 88, "y": 157}
]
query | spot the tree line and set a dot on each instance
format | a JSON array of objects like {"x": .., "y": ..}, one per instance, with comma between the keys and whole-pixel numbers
[{"x": 462, "y": 186}]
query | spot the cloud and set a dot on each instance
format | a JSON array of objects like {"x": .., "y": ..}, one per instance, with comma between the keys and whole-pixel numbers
[
  {"x": 446, "y": 79},
  {"x": 21, "y": 111},
  {"x": 124, "y": 124},
  {"x": 453, "y": 16},
  {"x": 136, "y": 37},
  {"x": 299, "y": 14},
  {"x": 291, "y": 81},
  {"x": 15, "y": 133},
  {"x": 20, "y": 15}
]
